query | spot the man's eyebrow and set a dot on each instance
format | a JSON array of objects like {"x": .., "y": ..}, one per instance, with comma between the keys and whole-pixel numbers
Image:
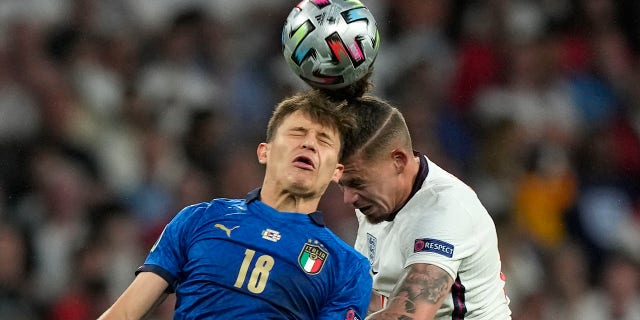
[
  {"x": 298, "y": 128},
  {"x": 322, "y": 134},
  {"x": 326, "y": 135}
]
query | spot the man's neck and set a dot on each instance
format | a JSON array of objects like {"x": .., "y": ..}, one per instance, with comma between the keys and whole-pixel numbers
[
  {"x": 412, "y": 183},
  {"x": 287, "y": 201}
]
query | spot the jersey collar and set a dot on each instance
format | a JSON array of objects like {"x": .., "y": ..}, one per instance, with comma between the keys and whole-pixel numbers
[
  {"x": 423, "y": 171},
  {"x": 253, "y": 195},
  {"x": 317, "y": 217}
]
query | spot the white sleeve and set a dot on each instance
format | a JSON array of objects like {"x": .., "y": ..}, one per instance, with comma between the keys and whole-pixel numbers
[{"x": 443, "y": 239}]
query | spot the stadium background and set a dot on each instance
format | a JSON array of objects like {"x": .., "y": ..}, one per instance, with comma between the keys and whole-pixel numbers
[{"x": 115, "y": 114}]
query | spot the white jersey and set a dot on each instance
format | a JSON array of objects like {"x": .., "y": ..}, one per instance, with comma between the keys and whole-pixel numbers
[{"x": 443, "y": 224}]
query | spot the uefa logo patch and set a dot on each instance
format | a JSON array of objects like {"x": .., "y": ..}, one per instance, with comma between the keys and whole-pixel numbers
[{"x": 312, "y": 258}]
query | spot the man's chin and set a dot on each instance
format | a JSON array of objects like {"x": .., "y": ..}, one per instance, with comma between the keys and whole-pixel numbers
[
  {"x": 302, "y": 190},
  {"x": 374, "y": 219}
]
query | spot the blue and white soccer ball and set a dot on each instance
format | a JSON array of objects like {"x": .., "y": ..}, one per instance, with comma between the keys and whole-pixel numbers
[{"x": 330, "y": 44}]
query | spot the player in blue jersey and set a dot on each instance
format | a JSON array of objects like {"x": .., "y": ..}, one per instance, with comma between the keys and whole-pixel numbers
[{"x": 268, "y": 256}]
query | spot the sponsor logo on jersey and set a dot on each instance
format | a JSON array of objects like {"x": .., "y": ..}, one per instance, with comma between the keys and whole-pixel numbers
[
  {"x": 351, "y": 315},
  {"x": 371, "y": 243},
  {"x": 433, "y": 245},
  {"x": 225, "y": 229},
  {"x": 312, "y": 257},
  {"x": 271, "y": 235}
]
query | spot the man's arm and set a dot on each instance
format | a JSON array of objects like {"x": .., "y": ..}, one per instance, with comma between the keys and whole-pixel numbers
[
  {"x": 375, "y": 304},
  {"x": 418, "y": 294},
  {"x": 145, "y": 292}
]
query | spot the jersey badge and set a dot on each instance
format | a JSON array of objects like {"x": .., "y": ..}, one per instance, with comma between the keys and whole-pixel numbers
[
  {"x": 312, "y": 257},
  {"x": 351, "y": 315},
  {"x": 225, "y": 229},
  {"x": 371, "y": 243},
  {"x": 271, "y": 235},
  {"x": 433, "y": 245}
]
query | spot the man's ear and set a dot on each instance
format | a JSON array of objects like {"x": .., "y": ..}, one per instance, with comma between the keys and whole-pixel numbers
[
  {"x": 263, "y": 152},
  {"x": 337, "y": 173},
  {"x": 400, "y": 159}
]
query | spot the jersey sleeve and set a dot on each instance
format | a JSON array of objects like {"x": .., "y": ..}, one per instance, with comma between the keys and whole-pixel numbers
[
  {"x": 443, "y": 241},
  {"x": 168, "y": 254},
  {"x": 352, "y": 301}
]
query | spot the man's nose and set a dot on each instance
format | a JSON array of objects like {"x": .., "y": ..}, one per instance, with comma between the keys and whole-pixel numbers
[{"x": 309, "y": 144}]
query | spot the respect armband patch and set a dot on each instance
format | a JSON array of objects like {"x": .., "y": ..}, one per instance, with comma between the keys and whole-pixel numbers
[{"x": 433, "y": 245}]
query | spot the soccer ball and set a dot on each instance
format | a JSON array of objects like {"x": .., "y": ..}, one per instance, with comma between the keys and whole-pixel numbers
[{"x": 330, "y": 44}]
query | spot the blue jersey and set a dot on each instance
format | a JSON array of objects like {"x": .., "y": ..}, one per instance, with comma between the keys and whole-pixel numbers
[{"x": 241, "y": 259}]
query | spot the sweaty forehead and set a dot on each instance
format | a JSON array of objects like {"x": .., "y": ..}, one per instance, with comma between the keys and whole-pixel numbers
[
  {"x": 360, "y": 167},
  {"x": 358, "y": 161}
]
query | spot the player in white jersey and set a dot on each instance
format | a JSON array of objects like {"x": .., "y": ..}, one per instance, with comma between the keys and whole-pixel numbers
[{"x": 432, "y": 246}]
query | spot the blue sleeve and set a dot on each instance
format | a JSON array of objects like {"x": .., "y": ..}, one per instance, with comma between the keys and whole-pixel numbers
[
  {"x": 168, "y": 254},
  {"x": 352, "y": 302}
]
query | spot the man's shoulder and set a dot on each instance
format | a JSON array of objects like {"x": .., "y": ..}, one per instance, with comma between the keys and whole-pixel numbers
[
  {"x": 341, "y": 247},
  {"x": 227, "y": 204},
  {"x": 441, "y": 177},
  {"x": 443, "y": 189},
  {"x": 212, "y": 208}
]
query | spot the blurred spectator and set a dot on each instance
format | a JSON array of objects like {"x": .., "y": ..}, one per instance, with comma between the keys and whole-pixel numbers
[
  {"x": 56, "y": 212},
  {"x": 620, "y": 283},
  {"x": 174, "y": 81},
  {"x": 605, "y": 217},
  {"x": 480, "y": 51},
  {"x": 415, "y": 38},
  {"x": 86, "y": 296},
  {"x": 536, "y": 97},
  {"x": 572, "y": 295},
  {"x": 543, "y": 195},
  {"x": 113, "y": 230},
  {"x": 523, "y": 266},
  {"x": 16, "y": 124},
  {"x": 497, "y": 165},
  {"x": 16, "y": 255},
  {"x": 205, "y": 140},
  {"x": 162, "y": 166}
]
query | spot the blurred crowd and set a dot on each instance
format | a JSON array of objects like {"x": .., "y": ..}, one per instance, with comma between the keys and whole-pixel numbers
[{"x": 116, "y": 114}]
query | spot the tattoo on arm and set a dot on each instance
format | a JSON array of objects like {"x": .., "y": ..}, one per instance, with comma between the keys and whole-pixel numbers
[{"x": 421, "y": 284}]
